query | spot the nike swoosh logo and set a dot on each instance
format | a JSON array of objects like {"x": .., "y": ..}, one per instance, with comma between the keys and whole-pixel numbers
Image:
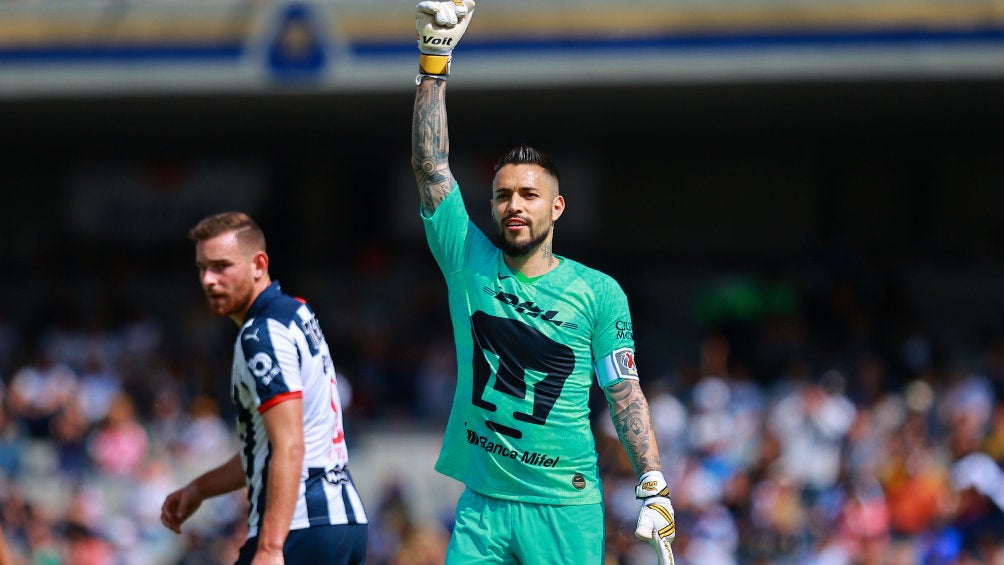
[
  {"x": 249, "y": 336},
  {"x": 503, "y": 277}
]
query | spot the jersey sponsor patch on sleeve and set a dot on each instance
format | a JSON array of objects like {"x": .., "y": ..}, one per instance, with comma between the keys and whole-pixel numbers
[
  {"x": 625, "y": 363},
  {"x": 618, "y": 365},
  {"x": 263, "y": 367},
  {"x": 262, "y": 361}
]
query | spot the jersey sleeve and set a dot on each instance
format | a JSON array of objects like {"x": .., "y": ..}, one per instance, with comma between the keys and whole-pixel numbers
[
  {"x": 613, "y": 339},
  {"x": 272, "y": 361},
  {"x": 451, "y": 235}
]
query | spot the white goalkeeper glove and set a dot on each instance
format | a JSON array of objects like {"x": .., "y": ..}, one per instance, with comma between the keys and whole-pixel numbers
[
  {"x": 656, "y": 521},
  {"x": 439, "y": 25}
]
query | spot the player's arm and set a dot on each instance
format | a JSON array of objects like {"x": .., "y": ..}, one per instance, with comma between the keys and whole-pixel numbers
[
  {"x": 633, "y": 422},
  {"x": 182, "y": 503},
  {"x": 439, "y": 26},
  {"x": 630, "y": 414},
  {"x": 284, "y": 426},
  {"x": 430, "y": 143}
]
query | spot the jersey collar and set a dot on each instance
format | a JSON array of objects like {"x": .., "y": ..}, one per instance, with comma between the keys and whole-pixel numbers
[
  {"x": 505, "y": 270},
  {"x": 268, "y": 295}
]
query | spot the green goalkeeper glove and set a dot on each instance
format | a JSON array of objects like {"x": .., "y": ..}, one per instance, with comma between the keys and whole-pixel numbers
[
  {"x": 656, "y": 521},
  {"x": 439, "y": 25}
]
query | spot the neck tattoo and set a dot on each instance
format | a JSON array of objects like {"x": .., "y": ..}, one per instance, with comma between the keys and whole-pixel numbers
[{"x": 547, "y": 255}]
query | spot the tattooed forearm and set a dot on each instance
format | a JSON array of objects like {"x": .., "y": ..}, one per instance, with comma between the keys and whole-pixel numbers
[
  {"x": 430, "y": 143},
  {"x": 629, "y": 412}
]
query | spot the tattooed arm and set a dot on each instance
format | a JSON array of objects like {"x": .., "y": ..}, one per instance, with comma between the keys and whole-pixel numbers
[
  {"x": 656, "y": 518},
  {"x": 430, "y": 143},
  {"x": 629, "y": 412}
]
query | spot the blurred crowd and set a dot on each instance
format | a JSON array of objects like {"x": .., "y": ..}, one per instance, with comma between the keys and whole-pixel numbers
[
  {"x": 828, "y": 468},
  {"x": 849, "y": 447}
]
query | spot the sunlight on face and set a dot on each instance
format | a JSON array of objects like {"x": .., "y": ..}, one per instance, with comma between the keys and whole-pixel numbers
[
  {"x": 525, "y": 204},
  {"x": 227, "y": 273}
]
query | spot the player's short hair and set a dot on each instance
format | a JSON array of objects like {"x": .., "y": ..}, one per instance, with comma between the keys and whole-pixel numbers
[
  {"x": 523, "y": 154},
  {"x": 249, "y": 233}
]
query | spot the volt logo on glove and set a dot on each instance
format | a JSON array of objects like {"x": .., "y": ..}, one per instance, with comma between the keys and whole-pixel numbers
[{"x": 441, "y": 41}]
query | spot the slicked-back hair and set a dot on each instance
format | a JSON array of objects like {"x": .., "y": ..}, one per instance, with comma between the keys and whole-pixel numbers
[
  {"x": 249, "y": 233},
  {"x": 523, "y": 154}
]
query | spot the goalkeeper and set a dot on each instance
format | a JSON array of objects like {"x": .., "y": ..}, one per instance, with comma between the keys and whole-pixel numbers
[{"x": 531, "y": 330}]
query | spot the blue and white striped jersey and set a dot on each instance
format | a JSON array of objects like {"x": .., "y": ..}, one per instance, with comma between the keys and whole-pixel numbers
[{"x": 280, "y": 354}]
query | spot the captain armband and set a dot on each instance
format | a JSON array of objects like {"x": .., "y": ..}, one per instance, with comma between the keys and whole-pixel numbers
[{"x": 616, "y": 366}]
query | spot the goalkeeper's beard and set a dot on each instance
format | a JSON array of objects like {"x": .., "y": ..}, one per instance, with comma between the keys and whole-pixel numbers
[{"x": 513, "y": 249}]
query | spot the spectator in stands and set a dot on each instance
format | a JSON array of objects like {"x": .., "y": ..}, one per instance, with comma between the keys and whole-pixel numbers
[
  {"x": 119, "y": 445},
  {"x": 39, "y": 391},
  {"x": 12, "y": 440},
  {"x": 811, "y": 423}
]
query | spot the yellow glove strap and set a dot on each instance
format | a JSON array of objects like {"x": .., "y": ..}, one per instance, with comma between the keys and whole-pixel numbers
[{"x": 434, "y": 65}]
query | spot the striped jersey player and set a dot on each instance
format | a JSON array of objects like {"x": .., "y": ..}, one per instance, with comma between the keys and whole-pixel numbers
[
  {"x": 279, "y": 354},
  {"x": 304, "y": 507}
]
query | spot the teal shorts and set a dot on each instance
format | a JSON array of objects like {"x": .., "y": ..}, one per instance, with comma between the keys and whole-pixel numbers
[{"x": 495, "y": 531}]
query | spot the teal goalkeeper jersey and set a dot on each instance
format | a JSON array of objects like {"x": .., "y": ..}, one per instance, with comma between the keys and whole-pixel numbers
[{"x": 519, "y": 428}]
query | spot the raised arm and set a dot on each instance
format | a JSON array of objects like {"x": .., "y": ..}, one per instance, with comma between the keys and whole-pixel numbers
[
  {"x": 439, "y": 26},
  {"x": 430, "y": 143}
]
